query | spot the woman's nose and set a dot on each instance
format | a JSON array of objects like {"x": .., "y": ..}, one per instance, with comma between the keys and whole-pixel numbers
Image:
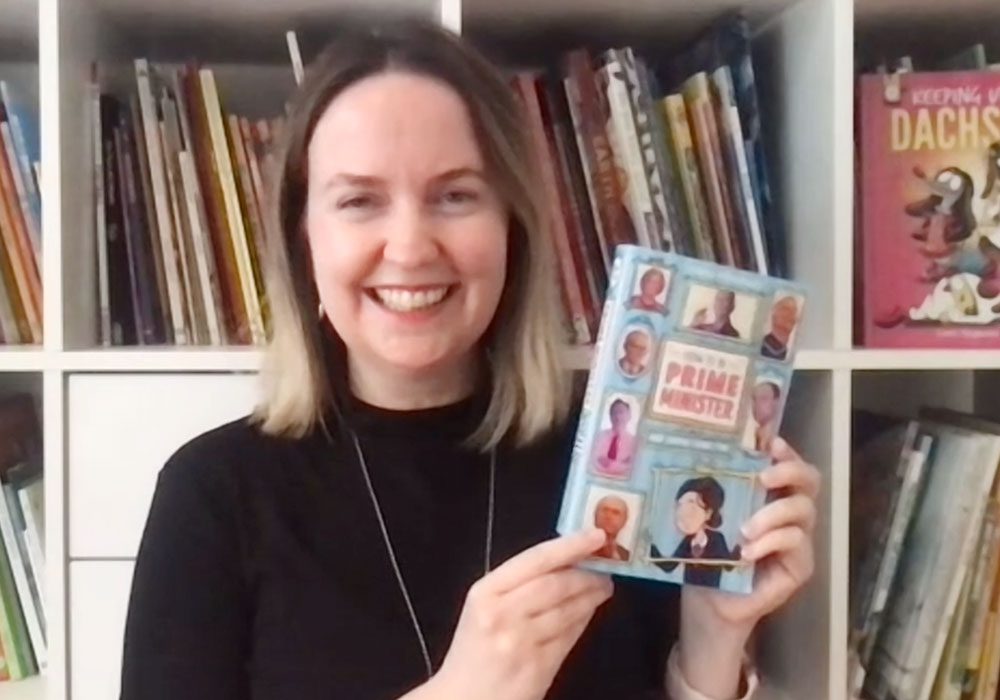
[{"x": 410, "y": 239}]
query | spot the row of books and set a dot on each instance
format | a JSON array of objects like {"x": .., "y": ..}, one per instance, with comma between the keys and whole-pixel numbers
[
  {"x": 23, "y": 635},
  {"x": 178, "y": 212},
  {"x": 180, "y": 183},
  {"x": 20, "y": 221},
  {"x": 928, "y": 194},
  {"x": 925, "y": 557},
  {"x": 665, "y": 153}
]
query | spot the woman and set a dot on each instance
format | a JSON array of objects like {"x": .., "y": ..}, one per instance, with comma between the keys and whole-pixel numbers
[{"x": 382, "y": 526}]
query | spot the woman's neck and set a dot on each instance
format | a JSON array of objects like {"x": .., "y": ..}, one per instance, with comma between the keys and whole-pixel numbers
[{"x": 402, "y": 390}]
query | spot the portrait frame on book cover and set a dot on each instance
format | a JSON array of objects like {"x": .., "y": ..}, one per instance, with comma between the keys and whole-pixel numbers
[
  {"x": 650, "y": 289},
  {"x": 617, "y": 439},
  {"x": 694, "y": 523},
  {"x": 720, "y": 311},
  {"x": 765, "y": 401},
  {"x": 636, "y": 349},
  {"x": 619, "y": 513},
  {"x": 782, "y": 325}
]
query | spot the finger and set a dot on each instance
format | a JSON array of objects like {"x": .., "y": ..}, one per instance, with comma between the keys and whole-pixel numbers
[
  {"x": 551, "y": 555},
  {"x": 552, "y": 589},
  {"x": 561, "y": 619},
  {"x": 794, "y": 475},
  {"x": 781, "y": 451},
  {"x": 785, "y": 539},
  {"x": 794, "y": 510},
  {"x": 554, "y": 651}
]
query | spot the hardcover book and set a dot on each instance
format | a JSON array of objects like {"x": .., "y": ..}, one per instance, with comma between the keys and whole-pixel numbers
[
  {"x": 688, "y": 384},
  {"x": 930, "y": 234}
]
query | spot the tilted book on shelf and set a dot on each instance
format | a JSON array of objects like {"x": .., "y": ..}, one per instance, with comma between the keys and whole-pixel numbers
[
  {"x": 930, "y": 209},
  {"x": 690, "y": 377}
]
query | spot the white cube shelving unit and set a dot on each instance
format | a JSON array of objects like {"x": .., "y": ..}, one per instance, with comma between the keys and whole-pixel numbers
[{"x": 112, "y": 416}]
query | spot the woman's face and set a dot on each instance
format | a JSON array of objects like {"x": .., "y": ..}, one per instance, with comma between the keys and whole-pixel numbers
[{"x": 408, "y": 239}]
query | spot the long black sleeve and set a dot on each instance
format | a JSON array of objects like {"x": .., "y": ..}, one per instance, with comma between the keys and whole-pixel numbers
[{"x": 188, "y": 623}]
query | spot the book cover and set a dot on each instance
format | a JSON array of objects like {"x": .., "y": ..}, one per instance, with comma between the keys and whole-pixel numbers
[
  {"x": 690, "y": 377},
  {"x": 930, "y": 237}
]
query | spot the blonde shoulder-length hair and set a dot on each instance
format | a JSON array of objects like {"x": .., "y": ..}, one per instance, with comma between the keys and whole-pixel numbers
[{"x": 522, "y": 347}]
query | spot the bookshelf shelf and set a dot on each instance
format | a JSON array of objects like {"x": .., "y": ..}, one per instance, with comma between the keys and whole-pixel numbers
[
  {"x": 18, "y": 359},
  {"x": 29, "y": 689},
  {"x": 162, "y": 360}
]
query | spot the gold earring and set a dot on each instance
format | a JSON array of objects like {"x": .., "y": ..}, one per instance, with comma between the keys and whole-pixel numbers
[{"x": 319, "y": 311}]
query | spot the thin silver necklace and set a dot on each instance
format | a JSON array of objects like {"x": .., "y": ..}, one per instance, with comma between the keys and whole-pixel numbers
[{"x": 390, "y": 550}]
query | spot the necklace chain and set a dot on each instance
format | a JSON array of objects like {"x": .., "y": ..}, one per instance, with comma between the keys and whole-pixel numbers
[{"x": 390, "y": 550}]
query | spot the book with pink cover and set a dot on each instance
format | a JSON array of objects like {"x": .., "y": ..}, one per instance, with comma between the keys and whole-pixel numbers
[{"x": 930, "y": 201}]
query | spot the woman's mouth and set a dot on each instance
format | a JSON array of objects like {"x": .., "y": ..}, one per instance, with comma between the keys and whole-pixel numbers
[{"x": 403, "y": 300}]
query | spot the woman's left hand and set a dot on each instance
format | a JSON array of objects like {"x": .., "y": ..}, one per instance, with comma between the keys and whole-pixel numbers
[{"x": 779, "y": 539}]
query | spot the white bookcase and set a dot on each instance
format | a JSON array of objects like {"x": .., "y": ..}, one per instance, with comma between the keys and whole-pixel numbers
[{"x": 112, "y": 417}]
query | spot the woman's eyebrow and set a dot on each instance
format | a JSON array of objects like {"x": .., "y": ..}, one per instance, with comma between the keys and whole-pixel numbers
[
  {"x": 455, "y": 173},
  {"x": 352, "y": 179}
]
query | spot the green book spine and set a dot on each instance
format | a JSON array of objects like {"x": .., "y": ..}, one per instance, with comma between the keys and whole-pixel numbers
[{"x": 13, "y": 633}]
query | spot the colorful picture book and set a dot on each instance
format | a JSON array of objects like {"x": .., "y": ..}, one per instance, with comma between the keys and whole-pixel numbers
[
  {"x": 930, "y": 208},
  {"x": 690, "y": 378}
]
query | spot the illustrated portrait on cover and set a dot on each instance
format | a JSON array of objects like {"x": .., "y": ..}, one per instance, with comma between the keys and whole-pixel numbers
[
  {"x": 765, "y": 408},
  {"x": 786, "y": 309},
  {"x": 650, "y": 288},
  {"x": 635, "y": 351},
  {"x": 616, "y": 442},
  {"x": 696, "y": 523},
  {"x": 720, "y": 311},
  {"x": 617, "y": 513}
]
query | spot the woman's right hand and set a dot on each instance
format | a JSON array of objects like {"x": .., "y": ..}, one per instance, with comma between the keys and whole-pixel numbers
[{"x": 520, "y": 622}]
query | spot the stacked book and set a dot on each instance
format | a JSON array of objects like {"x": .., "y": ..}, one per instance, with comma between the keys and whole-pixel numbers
[
  {"x": 925, "y": 558},
  {"x": 23, "y": 641},
  {"x": 20, "y": 222},
  {"x": 666, "y": 155},
  {"x": 179, "y": 212}
]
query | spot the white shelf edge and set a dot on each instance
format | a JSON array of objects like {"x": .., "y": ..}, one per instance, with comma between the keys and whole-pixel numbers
[
  {"x": 21, "y": 359},
  {"x": 861, "y": 359},
  {"x": 162, "y": 360},
  {"x": 33, "y": 688}
]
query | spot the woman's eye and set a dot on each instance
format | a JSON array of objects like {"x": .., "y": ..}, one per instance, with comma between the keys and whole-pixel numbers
[
  {"x": 361, "y": 201},
  {"x": 459, "y": 196}
]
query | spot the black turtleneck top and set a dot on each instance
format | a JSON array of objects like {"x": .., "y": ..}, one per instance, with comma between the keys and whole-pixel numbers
[{"x": 263, "y": 574}]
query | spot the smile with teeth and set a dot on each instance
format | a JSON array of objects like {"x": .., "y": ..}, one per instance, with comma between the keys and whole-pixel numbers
[{"x": 404, "y": 300}]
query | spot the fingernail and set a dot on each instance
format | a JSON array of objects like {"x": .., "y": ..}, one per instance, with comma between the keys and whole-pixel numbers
[
  {"x": 747, "y": 552},
  {"x": 779, "y": 445},
  {"x": 745, "y": 530}
]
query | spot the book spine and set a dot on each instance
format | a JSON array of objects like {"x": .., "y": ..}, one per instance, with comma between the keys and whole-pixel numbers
[
  {"x": 699, "y": 112},
  {"x": 24, "y": 273},
  {"x": 24, "y": 205},
  {"x": 145, "y": 299},
  {"x": 13, "y": 635},
  {"x": 557, "y": 226},
  {"x": 170, "y": 145},
  {"x": 571, "y": 212},
  {"x": 99, "y": 214},
  {"x": 161, "y": 203},
  {"x": 35, "y": 626},
  {"x": 234, "y": 309},
  {"x": 26, "y": 149},
  {"x": 736, "y": 211},
  {"x": 625, "y": 147},
  {"x": 689, "y": 176},
  {"x": 250, "y": 212},
  {"x": 8, "y": 320},
  {"x": 33, "y": 539},
  {"x": 590, "y": 105},
  {"x": 224, "y": 168},
  {"x": 149, "y": 229},
  {"x": 591, "y": 246},
  {"x": 120, "y": 296},
  {"x": 203, "y": 249},
  {"x": 663, "y": 223}
]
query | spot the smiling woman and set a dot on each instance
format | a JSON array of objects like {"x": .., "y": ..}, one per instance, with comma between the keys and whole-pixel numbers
[{"x": 383, "y": 526}]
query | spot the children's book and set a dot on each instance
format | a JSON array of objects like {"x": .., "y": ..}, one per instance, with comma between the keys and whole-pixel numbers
[
  {"x": 930, "y": 190},
  {"x": 689, "y": 381}
]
